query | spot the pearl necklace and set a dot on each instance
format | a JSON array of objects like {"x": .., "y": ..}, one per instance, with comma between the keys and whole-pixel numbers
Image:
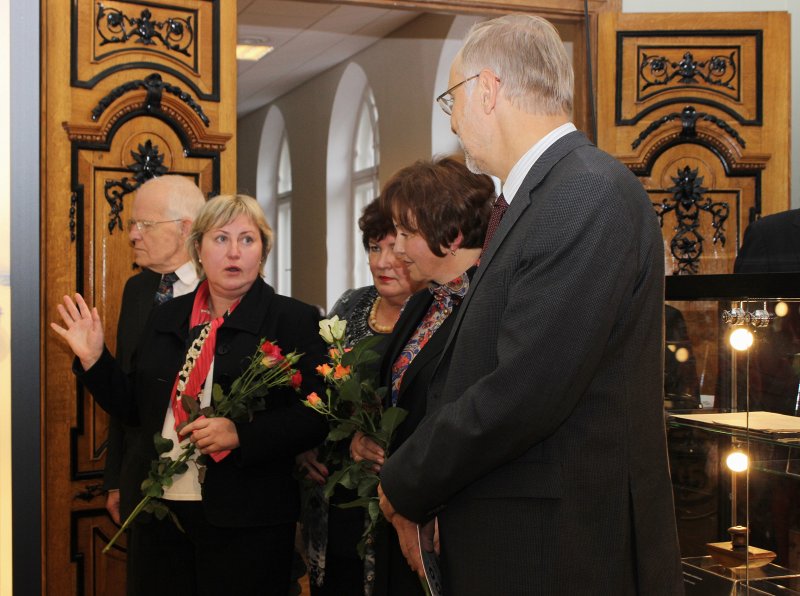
[{"x": 373, "y": 318}]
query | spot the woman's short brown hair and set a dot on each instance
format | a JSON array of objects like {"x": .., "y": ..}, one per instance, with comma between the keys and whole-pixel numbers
[
  {"x": 438, "y": 199},
  {"x": 375, "y": 223}
]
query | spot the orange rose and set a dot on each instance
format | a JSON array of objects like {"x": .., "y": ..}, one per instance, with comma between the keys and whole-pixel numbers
[
  {"x": 341, "y": 371},
  {"x": 324, "y": 369},
  {"x": 313, "y": 399}
]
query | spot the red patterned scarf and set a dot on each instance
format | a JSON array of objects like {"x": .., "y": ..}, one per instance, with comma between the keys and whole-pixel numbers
[{"x": 191, "y": 378}]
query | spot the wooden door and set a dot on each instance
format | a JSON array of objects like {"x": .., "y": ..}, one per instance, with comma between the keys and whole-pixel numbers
[
  {"x": 697, "y": 105},
  {"x": 131, "y": 90}
]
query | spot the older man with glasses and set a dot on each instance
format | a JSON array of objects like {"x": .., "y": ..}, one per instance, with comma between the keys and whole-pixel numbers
[
  {"x": 161, "y": 219},
  {"x": 543, "y": 451}
]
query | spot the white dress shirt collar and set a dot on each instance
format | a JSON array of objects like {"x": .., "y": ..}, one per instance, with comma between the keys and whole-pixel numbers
[
  {"x": 525, "y": 163},
  {"x": 187, "y": 280}
]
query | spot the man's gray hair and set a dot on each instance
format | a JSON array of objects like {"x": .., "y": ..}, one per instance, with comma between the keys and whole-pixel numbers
[{"x": 528, "y": 56}]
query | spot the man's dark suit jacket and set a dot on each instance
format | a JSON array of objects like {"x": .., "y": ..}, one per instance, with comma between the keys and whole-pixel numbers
[
  {"x": 254, "y": 485},
  {"x": 771, "y": 245},
  {"x": 137, "y": 302},
  {"x": 393, "y": 576},
  {"x": 543, "y": 452}
]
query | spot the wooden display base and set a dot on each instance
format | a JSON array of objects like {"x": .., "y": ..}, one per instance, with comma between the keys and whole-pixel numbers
[{"x": 735, "y": 557}]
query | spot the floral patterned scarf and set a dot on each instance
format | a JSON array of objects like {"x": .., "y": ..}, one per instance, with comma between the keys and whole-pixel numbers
[{"x": 445, "y": 297}]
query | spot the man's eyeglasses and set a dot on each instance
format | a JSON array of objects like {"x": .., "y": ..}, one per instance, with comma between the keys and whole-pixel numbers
[
  {"x": 143, "y": 225},
  {"x": 446, "y": 99}
]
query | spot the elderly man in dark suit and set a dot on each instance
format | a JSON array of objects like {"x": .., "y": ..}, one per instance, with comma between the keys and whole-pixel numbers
[
  {"x": 161, "y": 218},
  {"x": 543, "y": 452}
]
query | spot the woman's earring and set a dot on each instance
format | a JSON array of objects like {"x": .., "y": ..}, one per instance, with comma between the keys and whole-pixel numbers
[{"x": 452, "y": 252}]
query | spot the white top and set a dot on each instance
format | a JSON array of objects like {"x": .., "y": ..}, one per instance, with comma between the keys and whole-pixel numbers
[
  {"x": 517, "y": 174},
  {"x": 185, "y": 487}
]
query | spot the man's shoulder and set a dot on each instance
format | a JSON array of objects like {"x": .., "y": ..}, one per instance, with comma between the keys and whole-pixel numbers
[
  {"x": 143, "y": 279},
  {"x": 777, "y": 220}
]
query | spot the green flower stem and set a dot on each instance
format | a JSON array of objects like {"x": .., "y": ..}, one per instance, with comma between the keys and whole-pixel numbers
[
  {"x": 425, "y": 588},
  {"x": 168, "y": 473}
]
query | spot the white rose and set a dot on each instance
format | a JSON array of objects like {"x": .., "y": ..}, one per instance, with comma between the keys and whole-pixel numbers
[{"x": 332, "y": 329}]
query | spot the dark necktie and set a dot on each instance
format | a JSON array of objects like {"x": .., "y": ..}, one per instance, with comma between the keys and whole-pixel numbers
[
  {"x": 498, "y": 210},
  {"x": 164, "y": 291}
]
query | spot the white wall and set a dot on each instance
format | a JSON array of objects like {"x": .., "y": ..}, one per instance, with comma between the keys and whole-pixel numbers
[
  {"x": 790, "y": 6},
  {"x": 405, "y": 113}
]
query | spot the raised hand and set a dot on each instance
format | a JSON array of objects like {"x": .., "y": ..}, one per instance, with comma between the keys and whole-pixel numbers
[{"x": 84, "y": 330}]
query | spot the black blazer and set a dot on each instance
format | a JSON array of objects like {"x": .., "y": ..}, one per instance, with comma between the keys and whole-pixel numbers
[
  {"x": 543, "y": 451},
  {"x": 771, "y": 245},
  {"x": 137, "y": 303},
  {"x": 253, "y": 485},
  {"x": 393, "y": 576}
]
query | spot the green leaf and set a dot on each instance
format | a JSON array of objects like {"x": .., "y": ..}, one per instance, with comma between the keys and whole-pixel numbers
[
  {"x": 342, "y": 431},
  {"x": 191, "y": 406},
  {"x": 368, "y": 486},
  {"x": 216, "y": 394},
  {"x": 162, "y": 445},
  {"x": 362, "y": 502},
  {"x": 159, "y": 509},
  {"x": 154, "y": 490},
  {"x": 332, "y": 481},
  {"x": 351, "y": 389},
  {"x": 374, "y": 509},
  {"x": 391, "y": 419}
]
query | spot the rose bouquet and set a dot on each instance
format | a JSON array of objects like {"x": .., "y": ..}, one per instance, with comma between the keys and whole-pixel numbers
[
  {"x": 266, "y": 369},
  {"x": 353, "y": 402}
]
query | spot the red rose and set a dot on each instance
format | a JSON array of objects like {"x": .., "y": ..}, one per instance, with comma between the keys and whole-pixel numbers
[
  {"x": 272, "y": 354},
  {"x": 297, "y": 378}
]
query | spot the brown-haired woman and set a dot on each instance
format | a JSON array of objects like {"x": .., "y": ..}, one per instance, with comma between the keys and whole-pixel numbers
[
  {"x": 331, "y": 533},
  {"x": 441, "y": 211}
]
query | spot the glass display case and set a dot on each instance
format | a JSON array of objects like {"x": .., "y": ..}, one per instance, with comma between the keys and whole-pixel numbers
[{"x": 732, "y": 398}]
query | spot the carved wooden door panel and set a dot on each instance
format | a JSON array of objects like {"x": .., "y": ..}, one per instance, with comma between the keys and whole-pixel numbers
[
  {"x": 132, "y": 90},
  {"x": 697, "y": 105}
]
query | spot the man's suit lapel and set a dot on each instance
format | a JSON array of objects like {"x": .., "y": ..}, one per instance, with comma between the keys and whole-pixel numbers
[
  {"x": 145, "y": 300},
  {"x": 521, "y": 201}
]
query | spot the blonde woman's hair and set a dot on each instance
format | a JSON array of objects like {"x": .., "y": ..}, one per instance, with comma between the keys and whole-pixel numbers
[
  {"x": 220, "y": 211},
  {"x": 528, "y": 56}
]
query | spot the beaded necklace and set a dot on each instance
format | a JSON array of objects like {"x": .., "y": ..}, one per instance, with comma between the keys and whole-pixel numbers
[{"x": 373, "y": 318}]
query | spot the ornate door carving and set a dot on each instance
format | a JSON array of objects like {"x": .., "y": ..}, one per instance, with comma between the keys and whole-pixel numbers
[
  {"x": 697, "y": 105},
  {"x": 132, "y": 90}
]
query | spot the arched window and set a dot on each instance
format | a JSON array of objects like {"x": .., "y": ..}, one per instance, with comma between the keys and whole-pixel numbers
[
  {"x": 274, "y": 194},
  {"x": 351, "y": 179},
  {"x": 283, "y": 222},
  {"x": 364, "y": 181}
]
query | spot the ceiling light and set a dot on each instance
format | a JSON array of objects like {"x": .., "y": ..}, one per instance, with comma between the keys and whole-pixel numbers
[{"x": 252, "y": 52}]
